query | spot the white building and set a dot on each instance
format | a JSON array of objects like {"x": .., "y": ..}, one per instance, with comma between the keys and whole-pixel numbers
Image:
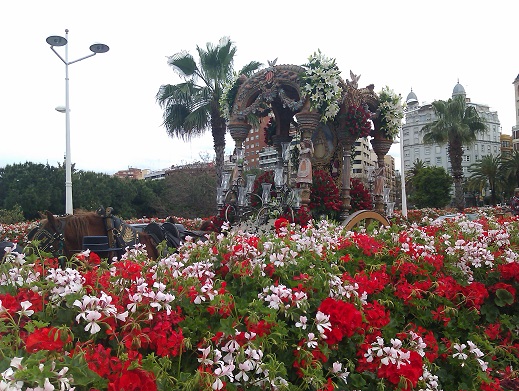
[{"x": 487, "y": 143}]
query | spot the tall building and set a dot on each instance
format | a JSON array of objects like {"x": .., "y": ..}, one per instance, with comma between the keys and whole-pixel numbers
[
  {"x": 418, "y": 115},
  {"x": 506, "y": 145},
  {"x": 255, "y": 143},
  {"x": 515, "y": 128}
]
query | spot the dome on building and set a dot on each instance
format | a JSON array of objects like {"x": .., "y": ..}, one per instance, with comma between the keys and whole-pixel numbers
[
  {"x": 411, "y": 98},
  {"x": 458, "y": 90}
]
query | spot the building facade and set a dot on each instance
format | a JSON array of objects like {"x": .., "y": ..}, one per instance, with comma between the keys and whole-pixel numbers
[
  {"x": 418, "y": 115},
  {"x": 131, "y": 173},
  {"x": 515, "y": 128},
  {"x": 506, "y": 145}
]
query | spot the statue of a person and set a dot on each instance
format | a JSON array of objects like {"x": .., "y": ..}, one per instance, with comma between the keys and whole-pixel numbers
[
  {"x": 379, "y": 181},
  {"x": 304, "y": 172}
]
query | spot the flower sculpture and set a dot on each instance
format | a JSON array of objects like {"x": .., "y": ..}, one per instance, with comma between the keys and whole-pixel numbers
[
  {"x": 390, "y": 113},
  {"x": 321, "y": 83},
  {"x": 357, "y": 121},
  {"x": 324, "y": 196}
]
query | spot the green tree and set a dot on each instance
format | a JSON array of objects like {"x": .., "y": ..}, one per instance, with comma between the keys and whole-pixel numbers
[
  {"x": 410, "y": 174},
  {"x": 191, "y": 192},
  {"x": 456, "y": 125},
  {"x": 487, "y": 171},
  {"x": 33, "y": 187},
  {"x": 193, "y": 106},
  {"x": 432, "y": 188},
  {"x": 511, "y": 167}
]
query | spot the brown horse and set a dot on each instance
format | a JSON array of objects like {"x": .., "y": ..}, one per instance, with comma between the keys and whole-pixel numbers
[{"x": 63, "y": 235}]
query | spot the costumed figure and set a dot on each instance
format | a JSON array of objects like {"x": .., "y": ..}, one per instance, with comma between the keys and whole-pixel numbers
[
  {"x": 304, "y": 172},
  {"x": 379, "y": 181}
]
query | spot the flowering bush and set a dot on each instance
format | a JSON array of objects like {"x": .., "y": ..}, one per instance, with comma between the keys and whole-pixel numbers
[
  {"x": 325, "y": 199},
  {"x": 321, "y": 83},
  {"x": 421, "y": 307},
  {"x": 360, "y": 197},
  {"x": 391, "y": 112},
  {"x": 357, "y": 121}
]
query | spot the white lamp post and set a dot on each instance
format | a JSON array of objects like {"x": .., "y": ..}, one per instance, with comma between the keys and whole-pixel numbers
[{"x": 56, "y": 40}]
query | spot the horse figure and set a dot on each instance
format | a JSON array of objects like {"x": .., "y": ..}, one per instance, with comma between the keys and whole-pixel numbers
[{"x": 63, "y": 235}]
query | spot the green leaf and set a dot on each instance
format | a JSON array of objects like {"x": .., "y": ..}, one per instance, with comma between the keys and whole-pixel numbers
[{"x": 503, "y": 298}]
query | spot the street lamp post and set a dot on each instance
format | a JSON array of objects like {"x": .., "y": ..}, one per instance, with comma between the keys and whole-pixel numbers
[{"x": 56, "y": 40}]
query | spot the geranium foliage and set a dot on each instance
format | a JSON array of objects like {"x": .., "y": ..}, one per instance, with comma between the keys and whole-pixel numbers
[{"x": 422, "y": 307}]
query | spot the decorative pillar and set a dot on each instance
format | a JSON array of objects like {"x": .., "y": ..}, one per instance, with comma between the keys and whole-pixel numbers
[
  {"x": 239, "y": 132},
  {"x": 308, "y": 122},
  {"x": 346, "y": 140},
  {"x": 381, "y": 147}
]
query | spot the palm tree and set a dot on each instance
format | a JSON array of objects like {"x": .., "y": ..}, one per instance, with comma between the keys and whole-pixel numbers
[
  {"x": 511, "y": 167},
  {"x": 193, "y": 106},
  {"x": 411, "y": 174},
  {"x": 456, "y": 125},
  {"x": 487, "y": 171}
]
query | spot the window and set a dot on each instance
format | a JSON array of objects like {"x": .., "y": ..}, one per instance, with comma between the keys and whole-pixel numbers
[
  {"x": 495, "y": 148},
  {"x": 438, "y": 149},
  {"x": 438, "y": 160},
  {"x": 489, "y": 148},
  {"x": 427, "y": 151},
  {"x": 466, "y": 158},
  {"x": 406, "y": 153}
]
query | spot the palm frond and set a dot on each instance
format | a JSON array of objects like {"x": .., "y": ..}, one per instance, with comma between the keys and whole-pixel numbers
[
  {"x": 249, "y": 69},
  {"x": 183, "y": 63}
]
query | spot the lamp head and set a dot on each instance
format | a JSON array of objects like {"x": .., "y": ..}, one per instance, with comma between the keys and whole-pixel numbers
[
  {"x": 56, "y": 40},
  {"x": 99, "y": 48}
]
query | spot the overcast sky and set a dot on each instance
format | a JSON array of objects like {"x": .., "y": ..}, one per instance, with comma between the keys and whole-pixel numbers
[{"x": 115, "y": 121}]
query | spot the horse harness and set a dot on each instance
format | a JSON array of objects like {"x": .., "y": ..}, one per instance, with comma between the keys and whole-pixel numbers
[
  {"x": 52, "y": 242},
  {"x": 120, "y": 235}
]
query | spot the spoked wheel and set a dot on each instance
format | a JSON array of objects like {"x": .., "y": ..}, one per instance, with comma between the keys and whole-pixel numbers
[
  {"x": 263, "y": 216},
  {"x": 364, "y": 218},
  {"x": 290, "y": 215},
  {"x": 230, "y": 213}
]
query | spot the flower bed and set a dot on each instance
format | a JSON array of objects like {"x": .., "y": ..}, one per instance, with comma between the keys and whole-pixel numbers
[{"x": 430, "y": 307}]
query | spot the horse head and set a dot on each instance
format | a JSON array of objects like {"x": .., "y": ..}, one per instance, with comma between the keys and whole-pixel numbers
[{"x": 50, "y": 234}]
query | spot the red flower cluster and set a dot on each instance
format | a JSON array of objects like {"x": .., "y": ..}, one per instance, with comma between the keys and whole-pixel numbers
[
  {"x": 345, "y": 318},
  {"x": 357, "y": 121},
  {"x": 46, "y": 338},
  {"x": 324, "y": 195}
]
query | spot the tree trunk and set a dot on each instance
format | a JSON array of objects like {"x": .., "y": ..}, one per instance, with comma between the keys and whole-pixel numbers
[
  {"x": 455, "y": 153},
  {"x": 218, "y": 128}
]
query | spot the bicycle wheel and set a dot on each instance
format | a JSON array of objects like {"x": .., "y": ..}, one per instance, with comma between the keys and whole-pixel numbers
[
  {"x": 263, "y": 216},
  {"x": 289, "y": 214},
  {"x": 230, "y": 213}
]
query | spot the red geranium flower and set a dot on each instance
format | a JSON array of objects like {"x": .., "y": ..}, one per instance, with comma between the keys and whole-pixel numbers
[
  {"x": 46, "y": 338},
  {"x": 134, "y": 380},
  {"x": 346, "y": 320}
]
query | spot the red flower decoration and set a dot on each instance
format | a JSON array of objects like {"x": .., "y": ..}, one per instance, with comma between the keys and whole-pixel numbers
[{"x": 357, "y": 121}]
